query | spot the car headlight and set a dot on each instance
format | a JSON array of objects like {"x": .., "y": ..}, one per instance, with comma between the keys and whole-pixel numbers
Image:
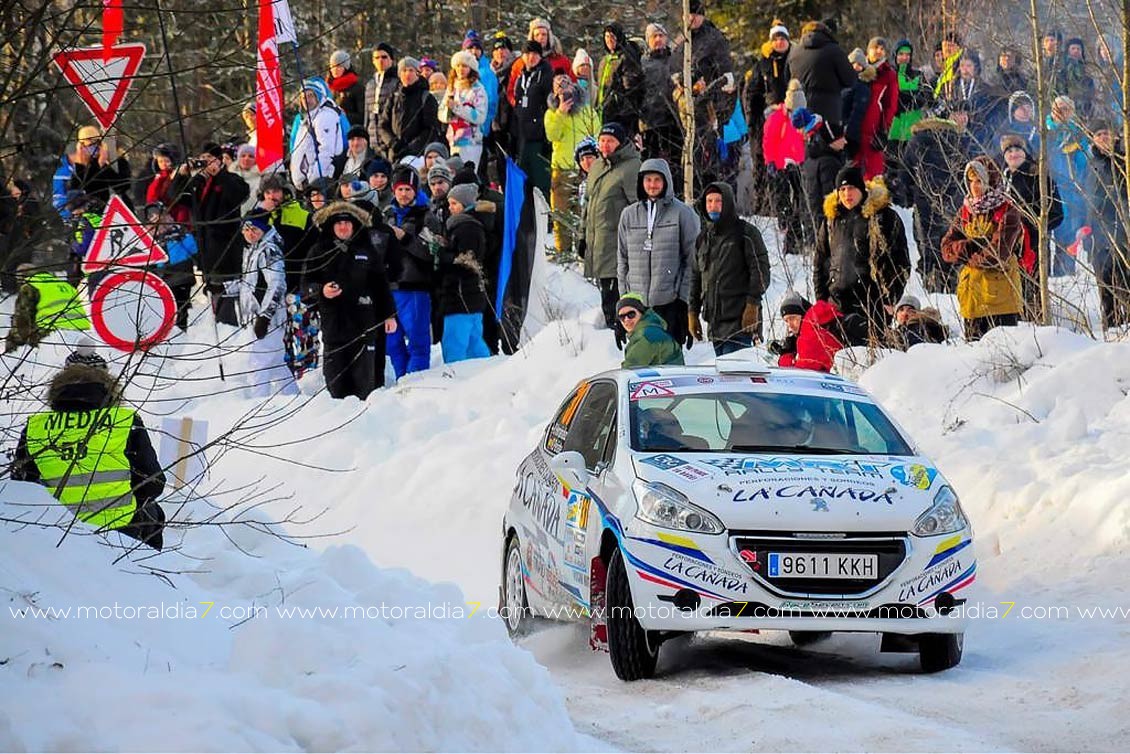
[
  {"x": 664, "y": 506},
  {"x": 945, "y": 516}
]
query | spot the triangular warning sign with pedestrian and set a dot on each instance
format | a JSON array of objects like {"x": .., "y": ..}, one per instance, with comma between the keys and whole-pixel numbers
[
  {"x": 101, "y": 76},
  {"x": 121, "y": 241}
]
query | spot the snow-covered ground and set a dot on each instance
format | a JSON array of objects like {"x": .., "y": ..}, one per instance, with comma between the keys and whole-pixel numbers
[{"x": 1030, "y": 425}]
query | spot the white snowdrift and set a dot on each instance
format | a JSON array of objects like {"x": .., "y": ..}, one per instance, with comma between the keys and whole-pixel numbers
[{"x": 182, "y": 669}]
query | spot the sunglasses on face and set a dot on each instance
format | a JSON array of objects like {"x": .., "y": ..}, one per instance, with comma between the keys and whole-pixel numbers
[{"x": 629, "y": 315}]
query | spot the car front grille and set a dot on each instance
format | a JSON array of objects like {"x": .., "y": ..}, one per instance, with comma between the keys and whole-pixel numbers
[{"x": 753, "y": 549}]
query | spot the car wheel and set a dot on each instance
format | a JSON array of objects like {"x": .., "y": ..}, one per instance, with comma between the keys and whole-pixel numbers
[
  {"x": 632, "y": 650},
  {"x": 938, "y": 652},
  {"x": 805, "y": 638},
  {"x": 517, "y": 608}
]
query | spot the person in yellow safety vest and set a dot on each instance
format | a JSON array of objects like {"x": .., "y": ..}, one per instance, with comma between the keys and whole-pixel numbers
[
  {"x": 93, "y": 453},
  {"x": 44, "y": 304}
]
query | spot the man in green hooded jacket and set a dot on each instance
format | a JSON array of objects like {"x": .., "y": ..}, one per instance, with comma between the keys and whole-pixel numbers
[{"x": 649, "y": 343}]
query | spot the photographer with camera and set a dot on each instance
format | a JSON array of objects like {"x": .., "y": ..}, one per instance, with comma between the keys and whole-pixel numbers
[{"x": 217, "y": 198}]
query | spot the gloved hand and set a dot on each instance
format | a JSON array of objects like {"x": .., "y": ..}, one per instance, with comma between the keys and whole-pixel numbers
[
  {"x": 621, "y": 336},
  {"x": 261, "y": 325},
  {"x": 775, "y": 347},
  {"x": 582, "y": 247},
  {"x": 694, "y": 325},
  {"x": 751, "y": 317}
]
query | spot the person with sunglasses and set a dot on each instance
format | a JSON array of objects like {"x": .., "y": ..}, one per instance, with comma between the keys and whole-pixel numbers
[
  {"x": 649, "y": 343},
  {"x": 379, "y": 89}
]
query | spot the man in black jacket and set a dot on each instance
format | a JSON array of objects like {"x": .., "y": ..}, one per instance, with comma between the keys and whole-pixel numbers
[
  {"x": 765, "y": 86},
  {"x": 348, "y": 281},
  {"x": 658, "y": 117},
  {"x": 729, "y": 275},
  {"x": 55, "y": 449},
  {"x": 412, "y": 119},
  {"x": 531, "y": 99},
  {"x": 1021, "y": 180},
  {"x": 410, "y": 346},
  {"x": 935, "y": 166},
  {"x": 379, "y": 91},
  {"x": 861, "y": 262},
  {"x": 620, "y": 80},
  {"x": 217, "y": 199},
  {"x": 823, "y": 70}
]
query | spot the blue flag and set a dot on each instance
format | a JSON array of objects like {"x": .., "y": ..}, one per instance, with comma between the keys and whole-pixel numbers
[{"x": 512, "y": 218}]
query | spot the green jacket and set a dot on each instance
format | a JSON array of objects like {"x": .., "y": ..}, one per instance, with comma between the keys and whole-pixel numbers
[
  {"x": 650, "y": 344},
  {"x": 45, "y": 303},
  {"x": 610, "y": 187}
]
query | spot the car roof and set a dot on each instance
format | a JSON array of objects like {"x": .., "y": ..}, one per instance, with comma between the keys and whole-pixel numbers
[{"x": 734, "y": 374}]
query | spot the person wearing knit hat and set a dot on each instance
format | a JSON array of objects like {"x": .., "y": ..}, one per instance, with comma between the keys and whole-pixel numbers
[
  {"x": 85, "y": 354},
  {"x": 582, "y": 71},
  {"x": 465, "y": 106},
  {"x": 653, "y": 29},
  {"x": 851, "y": 176},
  {"x": 439, "y": 183},
  {"x": 778, "y": 29},
  {"x": 648, "y": 343},
  {"x": 461, "y": 295},
  {"x": 858, "y": 58},
  {"x": 407, "y": 216},
  {"x": 428, "y": 66},
  {"x": 793, "y": 308},
  {"x": 585, "y": 154},
  {"x": 348, "y": 91},
  {"x": 471, "y": 40},
  {"x": 114, "y": 486},
  {"x": 348, "y": 165},
  {"x": 412, "y": 119},
  {"x": 908, "y": 301},
  {"x": 794, "y": 97},
  {"x": 861, "y": 263},
  {"x": 500, "y": 41},
  {"x": 615, "y": 131},
  {"x": 262, "y": 291}
]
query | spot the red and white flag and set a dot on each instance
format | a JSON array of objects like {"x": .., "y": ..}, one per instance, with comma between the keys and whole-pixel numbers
[{"x": 268, "y": 92}]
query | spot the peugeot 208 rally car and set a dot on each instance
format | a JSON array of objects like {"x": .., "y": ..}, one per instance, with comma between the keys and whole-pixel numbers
[{"x": 734, "y": 496}]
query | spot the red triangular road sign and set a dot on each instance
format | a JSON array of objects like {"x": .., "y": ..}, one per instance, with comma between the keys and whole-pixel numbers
[
  {"x": 121, "y": 241},
  {"x": 101, "y": 77}
]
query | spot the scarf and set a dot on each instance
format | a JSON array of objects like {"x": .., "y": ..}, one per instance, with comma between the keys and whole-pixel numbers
[
  {"x": 343, "y": 82},
  {"x": 989, "y": 202}
]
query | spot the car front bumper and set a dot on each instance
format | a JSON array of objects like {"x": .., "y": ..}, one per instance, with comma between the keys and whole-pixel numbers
[{"x": 696, "y": 582}]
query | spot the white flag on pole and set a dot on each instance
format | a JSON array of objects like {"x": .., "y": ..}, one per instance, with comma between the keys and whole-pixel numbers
[{"x": 284, "y": 23}]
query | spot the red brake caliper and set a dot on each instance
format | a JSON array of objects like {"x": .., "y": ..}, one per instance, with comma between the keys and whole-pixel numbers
[{"x": 598, "y": 627}]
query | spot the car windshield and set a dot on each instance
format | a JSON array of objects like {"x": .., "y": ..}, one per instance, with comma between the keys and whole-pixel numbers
[{"x": 749, "y": 422}]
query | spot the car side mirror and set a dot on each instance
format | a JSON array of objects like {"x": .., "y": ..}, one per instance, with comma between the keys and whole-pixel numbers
[{"x": 570, "y": 466}]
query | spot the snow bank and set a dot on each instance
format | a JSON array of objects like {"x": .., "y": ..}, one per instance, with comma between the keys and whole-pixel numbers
[
  {"x": 1031, "y": 426},
  {"x": 239, "y": 658}
]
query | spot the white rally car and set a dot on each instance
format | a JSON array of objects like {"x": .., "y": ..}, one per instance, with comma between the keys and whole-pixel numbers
[{"x": 734, "y": 496}]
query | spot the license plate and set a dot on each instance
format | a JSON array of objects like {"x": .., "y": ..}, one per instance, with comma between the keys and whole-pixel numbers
[{"x": 820, "y": 565}]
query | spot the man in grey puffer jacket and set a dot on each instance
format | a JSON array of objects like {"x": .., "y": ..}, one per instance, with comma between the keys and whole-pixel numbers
[{"x": 655, "y": 245}]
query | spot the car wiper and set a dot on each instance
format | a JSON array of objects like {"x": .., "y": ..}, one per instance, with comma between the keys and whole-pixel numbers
[{"x": 799, "y": 449}]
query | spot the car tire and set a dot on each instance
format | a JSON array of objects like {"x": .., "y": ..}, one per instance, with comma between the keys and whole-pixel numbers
[
  {"x": 516, "y": 606},
  {"x": 938, "y": 652},
  {"x": 632, "y": 650},
  {"x": 806, "y": 638}
]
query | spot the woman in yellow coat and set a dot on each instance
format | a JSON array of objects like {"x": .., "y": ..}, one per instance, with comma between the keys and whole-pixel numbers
[{"x": 988, "y": 238}]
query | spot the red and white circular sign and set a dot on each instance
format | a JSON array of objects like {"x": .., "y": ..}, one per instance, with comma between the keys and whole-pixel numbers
[{"x": 132, "y": 310}]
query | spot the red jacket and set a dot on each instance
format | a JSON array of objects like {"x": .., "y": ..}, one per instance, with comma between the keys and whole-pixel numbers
[
  {"x": 881, "y": 110},
  {"x": 780, "y": 141},
  {"x": 160, "y": 189},
  {"x": 816, "y": 346}
]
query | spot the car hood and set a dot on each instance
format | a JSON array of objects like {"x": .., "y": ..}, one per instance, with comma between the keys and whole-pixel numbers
[{"x": 800, "y": 492}]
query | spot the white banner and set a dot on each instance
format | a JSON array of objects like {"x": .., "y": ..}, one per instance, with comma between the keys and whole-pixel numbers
[{"x": 284, "y": 23}]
